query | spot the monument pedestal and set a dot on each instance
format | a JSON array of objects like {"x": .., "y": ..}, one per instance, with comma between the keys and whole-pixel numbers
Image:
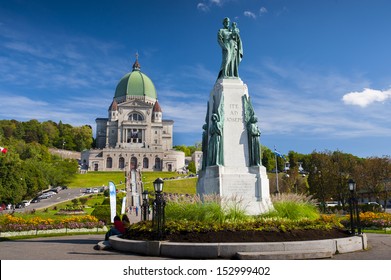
[{"x": 234, "y": 177}]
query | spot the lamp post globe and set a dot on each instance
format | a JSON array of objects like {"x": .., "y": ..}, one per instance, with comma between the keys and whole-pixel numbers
[
  {"x": 145, "y": 206},
  {"x": 352, "y": 185},
  {"x": 145, "y": 195},
  {"x": 158, "y": 185}
]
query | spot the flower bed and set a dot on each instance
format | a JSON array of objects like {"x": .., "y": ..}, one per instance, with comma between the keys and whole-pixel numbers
[
  {"x": 371, "y": 220},
  {"x": 10, "y": 223},
  {"x": 375, "y": 220}
]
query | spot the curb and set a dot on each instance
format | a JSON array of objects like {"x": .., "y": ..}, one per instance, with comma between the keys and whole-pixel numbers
[{"x": 313, "y": 249}]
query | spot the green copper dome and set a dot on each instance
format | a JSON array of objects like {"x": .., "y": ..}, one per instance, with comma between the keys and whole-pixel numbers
[{"x": 135, "y": 83}]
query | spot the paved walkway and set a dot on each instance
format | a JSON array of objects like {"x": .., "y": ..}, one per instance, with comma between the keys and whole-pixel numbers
[{"x": 81, "y": 247}]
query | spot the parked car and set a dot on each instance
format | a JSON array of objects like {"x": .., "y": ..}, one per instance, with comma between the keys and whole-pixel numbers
[
  {"x": 47, "y": 195},
  {"x": 331, "y": 203},
  {"x": 375, "y": 204},
  {"x": 56, "y": 189},
  {"x": 35, "y": 200},
  {"x": 95, "y": 190},
  {"x": 19, "y": 205},
  {"x": 26, "y": 203},
  {"x": 88, "y": 190}
]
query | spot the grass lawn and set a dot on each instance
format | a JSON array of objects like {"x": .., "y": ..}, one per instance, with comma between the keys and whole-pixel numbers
[{"x": 97, "y": 179}]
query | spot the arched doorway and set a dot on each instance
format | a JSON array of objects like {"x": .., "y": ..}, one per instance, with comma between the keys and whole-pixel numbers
[
  {"x": 121, "y": 163},
  {"x": 133, "y": 163},
  {"x": 145, "y": 163},
  {"x": 109, "y": 162},
  {"x": 158, "y": 165}
]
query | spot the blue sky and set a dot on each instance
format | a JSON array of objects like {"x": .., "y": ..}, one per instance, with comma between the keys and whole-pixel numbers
[{"x": 318, "y": 72}]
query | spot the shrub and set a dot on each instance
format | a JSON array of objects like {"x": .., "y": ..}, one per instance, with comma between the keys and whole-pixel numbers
[
  {"x": 83, "y": 200},
  {"x": 102, "y": 213},
  {"x": 208, "y": 209},
  {"x": 293, "y": 207}
]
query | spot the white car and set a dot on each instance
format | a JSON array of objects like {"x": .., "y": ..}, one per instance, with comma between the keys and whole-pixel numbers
[
  {"x": 331, "y": 203},
  {"x": 95, "y": 190},
  {"x": 26, "y": 203}
]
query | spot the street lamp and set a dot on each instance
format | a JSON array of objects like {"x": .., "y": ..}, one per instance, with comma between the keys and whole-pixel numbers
[
  {"x": 158, "y": 218},
  {"x": 145, "y": 206},
  {"x": 352, "y": 187},
  {"x": 354, "y": 212}
]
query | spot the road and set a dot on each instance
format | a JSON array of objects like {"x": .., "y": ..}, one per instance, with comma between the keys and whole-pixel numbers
[{"x": 61, "y": 196}]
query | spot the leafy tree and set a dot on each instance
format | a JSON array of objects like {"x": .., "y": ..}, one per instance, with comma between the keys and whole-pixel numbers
[
  {"x": 267, "y": 158},
  {"x": 36, "y": 180},
  {"x": 83, "y": 137},
  {"x": 52, "y": 133},
  {"x": 184, "y": 149},
  {"x": 12, "y": 179},
  {"x": 318, "y": 178},
  {"x": 192, "y": 166},
  {"x": 373, "y": 175}
]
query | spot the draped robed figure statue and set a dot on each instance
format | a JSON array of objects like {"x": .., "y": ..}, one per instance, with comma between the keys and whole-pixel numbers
[{"x": 229, "y": 40}]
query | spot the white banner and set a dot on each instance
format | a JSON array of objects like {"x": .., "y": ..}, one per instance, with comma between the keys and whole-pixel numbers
[
  {"x": 123, "y": 205},
  {"x": 113, "y": 200}
]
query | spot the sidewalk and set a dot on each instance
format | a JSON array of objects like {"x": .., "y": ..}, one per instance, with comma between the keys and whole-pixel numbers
[{"x": 81, "y": 247}]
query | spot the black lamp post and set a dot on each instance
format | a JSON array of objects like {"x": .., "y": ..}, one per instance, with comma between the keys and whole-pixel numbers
[
  {"x": 354, "y": 212},
  {"x": 158, "y": 218},
  {"x": 145, "y": 206},
  {"x": 352, "y": 186}
]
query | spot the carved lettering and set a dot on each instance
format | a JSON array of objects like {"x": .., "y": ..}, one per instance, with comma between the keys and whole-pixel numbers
[{"x": 234, "y": 113}]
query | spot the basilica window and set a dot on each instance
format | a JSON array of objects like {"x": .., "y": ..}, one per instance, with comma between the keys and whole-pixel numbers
[
  {"x": 121, "y": 162},
  {"x": 133, "y": 162},
  {"x": 158, "y": 165},
  {"x": 136, "y": 117},
  {"x": 145, "y": 163},
  {"x": 109, "y": 162},
  {"x": 135, "y": 135}
]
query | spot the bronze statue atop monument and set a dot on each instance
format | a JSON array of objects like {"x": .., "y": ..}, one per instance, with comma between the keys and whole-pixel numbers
[{"x": 230, "y": 42}]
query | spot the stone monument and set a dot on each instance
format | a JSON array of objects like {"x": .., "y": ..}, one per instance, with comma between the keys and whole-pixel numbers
[{"x": 231, "y": 165}]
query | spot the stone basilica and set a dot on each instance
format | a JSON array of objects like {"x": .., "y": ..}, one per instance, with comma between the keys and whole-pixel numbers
[{"x": 135, "y": 133}]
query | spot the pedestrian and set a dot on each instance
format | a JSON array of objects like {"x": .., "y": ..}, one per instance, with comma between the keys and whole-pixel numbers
[
  {"x": 117, "y": 228},
  {"x": 136, "y": 211}
]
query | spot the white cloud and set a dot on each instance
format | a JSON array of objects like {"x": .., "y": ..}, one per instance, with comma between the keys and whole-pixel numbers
[
  {"x": 206, "y": 4},
  {"x": 249, "y": 14},
  {"x": 203, "y": 7},
  {"x": 262, "y": 10},
  {"x": 366, "y": 97}
]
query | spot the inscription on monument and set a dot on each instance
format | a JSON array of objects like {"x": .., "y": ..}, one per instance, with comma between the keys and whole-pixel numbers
[{"x": 234, "y": 114}]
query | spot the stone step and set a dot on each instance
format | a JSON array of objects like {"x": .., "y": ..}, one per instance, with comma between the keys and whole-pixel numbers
[{"x": 284, "y": 255}]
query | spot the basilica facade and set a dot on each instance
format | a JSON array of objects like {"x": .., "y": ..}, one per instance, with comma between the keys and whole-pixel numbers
[{"x": 134, "y": 135}]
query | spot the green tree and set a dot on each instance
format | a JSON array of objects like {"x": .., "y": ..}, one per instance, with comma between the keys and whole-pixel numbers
[
  {"x": 51, "y": 131},
  {"x": 184, "y": 149},
  {"x": 267, "y": 157},
  {"x": 34, "y": 172},
  {"x": 12, "y": 179},
  {"x": 192, "y": 167},
  {"x": 83, "y": 137}
]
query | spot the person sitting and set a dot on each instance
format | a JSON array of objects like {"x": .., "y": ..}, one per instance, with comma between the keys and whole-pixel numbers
[
  {"x": 125, "y": 221},
  {"x": 117, "y": 229}
]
